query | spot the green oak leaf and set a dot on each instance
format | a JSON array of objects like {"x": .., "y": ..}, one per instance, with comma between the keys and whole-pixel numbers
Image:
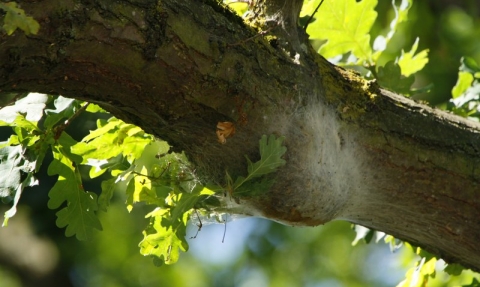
[
  {"x": 185, "y": 201},
  {"x": 345, "y": 24},
  {"x": 16, "y": 18},
  {"x": 111, "y": 139},
  {"x": 10, "y": 169},
  {"x": 29, "y": 136},
  {"x": 92, "y": 108},
  {"x": 464, "y": 81},
  {"x": 271, "y": 152},
  {"x": 79, "y": 213},
  {"x": 140, "y": 188},
  {"x": 255, "y": 187},
  {"x": 411, "y": 63},
  {"x": 165, "y": 243},
  {"x": 16, "y": 173},
  {"x": 30, "y": 107},
  {"x": 108, "y": 188},
  {"x": 454, "y": 269},
  {"x": 64, "y": 108},
  {"x": 25, "y": 128},
  {"x": 152, "y": 184},
  {"x": 466, "y": 92},
  {"x": 390, "y": 77},
  {"x": 469, "y": 65},
  {"x": 176, "y": 197}
]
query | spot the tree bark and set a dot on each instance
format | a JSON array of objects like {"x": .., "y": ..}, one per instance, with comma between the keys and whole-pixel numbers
[{"x": 177, "y": 67}]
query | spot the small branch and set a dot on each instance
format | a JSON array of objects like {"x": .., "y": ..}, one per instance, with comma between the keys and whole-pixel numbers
[{"x": 60, "y": 128}]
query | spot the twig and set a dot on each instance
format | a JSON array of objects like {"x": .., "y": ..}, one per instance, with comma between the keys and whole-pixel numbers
[
  {"x": 60, "y": 128},
  {"x": 153, "y": 177},
  {"x": 199, "y": 225},
  {"x": 225, "y": 230},
  {"x": 311, "y": 16}
]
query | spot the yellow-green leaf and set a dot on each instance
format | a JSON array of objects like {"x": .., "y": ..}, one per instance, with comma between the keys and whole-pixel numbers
[
  {"x": 465, "y": 80},
  {"x": 345, "y": 24},
  {"x": 411, "y": 63},
  {"x": 164, "y": 242},
  {"x": 16, "y": 18},
  {"x": 79, "y": 214}
]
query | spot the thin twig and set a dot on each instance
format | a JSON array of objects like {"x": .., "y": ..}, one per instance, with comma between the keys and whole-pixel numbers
[
  {"x": 311, "y": 16},
  {"x": 199, "y": 225},
  {"x": 76, "y": 114},
  {"x": 239, "y": 1},
  {"x": 153, "y": 177},
  {"x": 225, "y": 230},
  {"x": 58, "y": 130}
]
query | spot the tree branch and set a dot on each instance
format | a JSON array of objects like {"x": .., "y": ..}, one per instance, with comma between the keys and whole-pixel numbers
[{"x": 355, "y": 151}]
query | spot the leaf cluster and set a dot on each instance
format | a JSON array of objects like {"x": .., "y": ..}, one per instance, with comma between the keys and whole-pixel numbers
[
  {"x": 170, "y": 185},
  {"x": 426, "y": 265},
  {"x": 466, "y": 92},
  {"x": 343, "y": 29},
  {"x": 173, "y": 188},
  {"x": 127, "y": 159},
  {"x": 39, "y": 124}
]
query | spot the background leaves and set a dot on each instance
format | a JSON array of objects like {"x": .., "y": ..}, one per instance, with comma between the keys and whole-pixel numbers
[{"x": 15, "y": 18}]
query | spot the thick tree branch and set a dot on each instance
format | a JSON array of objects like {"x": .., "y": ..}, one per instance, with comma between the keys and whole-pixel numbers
[{"x": 177, "y": 67}]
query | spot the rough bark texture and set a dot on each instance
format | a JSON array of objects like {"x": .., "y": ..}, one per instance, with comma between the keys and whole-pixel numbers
[{"x": 177, "y": 67}]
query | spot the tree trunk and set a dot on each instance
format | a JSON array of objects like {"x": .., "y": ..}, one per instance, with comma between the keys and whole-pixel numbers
[{"x": 178, "y": 67}]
